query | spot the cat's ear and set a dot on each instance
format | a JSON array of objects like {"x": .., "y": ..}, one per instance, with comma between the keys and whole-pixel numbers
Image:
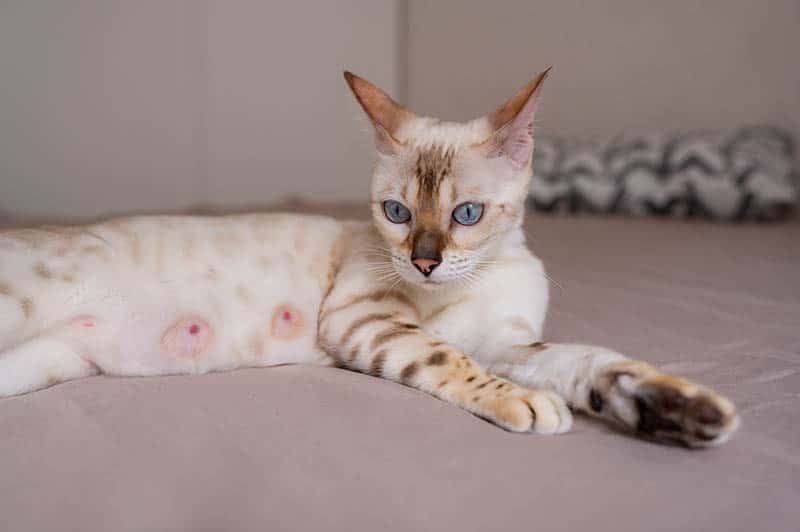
[
  {"x": 512, "y": 124},
  {"x": 386, "y": 115}
]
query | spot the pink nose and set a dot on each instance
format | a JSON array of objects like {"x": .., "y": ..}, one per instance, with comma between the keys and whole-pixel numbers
[{"x": 425, "y": 266}]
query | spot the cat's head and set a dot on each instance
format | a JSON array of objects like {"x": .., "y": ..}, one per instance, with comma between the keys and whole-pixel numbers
[{"x": 444, "y": 194}]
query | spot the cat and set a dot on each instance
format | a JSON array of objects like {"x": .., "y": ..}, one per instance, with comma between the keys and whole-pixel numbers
[{"x": 438, "y": 292}]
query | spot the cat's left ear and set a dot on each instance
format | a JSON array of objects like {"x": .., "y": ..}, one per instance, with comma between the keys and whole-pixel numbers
[{"x": 512, "y": 124}]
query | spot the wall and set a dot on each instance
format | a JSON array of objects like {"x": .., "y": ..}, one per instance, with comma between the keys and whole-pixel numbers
[
  {"x": 617, "y": 64},
  {"x": 114, "y": 106}
]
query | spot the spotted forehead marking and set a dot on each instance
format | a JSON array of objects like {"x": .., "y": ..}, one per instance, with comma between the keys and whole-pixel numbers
[{"x": 433, "y": 165}]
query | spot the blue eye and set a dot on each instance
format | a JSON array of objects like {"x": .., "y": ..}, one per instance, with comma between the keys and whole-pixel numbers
[
  {"x": 396, "y": 212},
  {"x": 468, "y": 213}
]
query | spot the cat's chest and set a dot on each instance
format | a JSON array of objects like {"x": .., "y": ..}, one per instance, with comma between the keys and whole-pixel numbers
[{"x": 457, "y": 319}]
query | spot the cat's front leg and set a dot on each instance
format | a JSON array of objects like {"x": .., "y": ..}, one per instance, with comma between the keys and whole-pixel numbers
[
  {"x": 384, "y": 340},
  {"x": 627, "y": 392}
]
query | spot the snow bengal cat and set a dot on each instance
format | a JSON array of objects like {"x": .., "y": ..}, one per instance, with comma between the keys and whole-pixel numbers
[{"x": 438, "y": 292}]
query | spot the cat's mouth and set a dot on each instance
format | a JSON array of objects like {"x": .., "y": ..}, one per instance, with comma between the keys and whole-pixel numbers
[
  {"x": 442, "y": 276},
  {"x": 415, "y": 278},
  {"x": 429, "y": 283}
]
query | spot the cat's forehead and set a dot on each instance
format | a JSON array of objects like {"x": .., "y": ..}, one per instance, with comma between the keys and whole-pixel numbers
[
  {"x": 429, "y": 133},
  {"x": 433, "y": 165},
  {"x": 436, "y": 163},
  {"x": 438, "y": 174}
]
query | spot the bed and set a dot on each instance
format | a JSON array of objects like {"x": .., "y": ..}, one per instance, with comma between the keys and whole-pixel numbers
[{"x": 307, "y": 448}]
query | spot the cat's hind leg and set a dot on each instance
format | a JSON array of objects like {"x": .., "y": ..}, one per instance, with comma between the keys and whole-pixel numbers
[
  {"x": 631, "y": 393},
  {"x": 52, "y": 357}
]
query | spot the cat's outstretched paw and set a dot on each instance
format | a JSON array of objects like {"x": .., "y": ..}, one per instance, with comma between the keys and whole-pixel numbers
[
  {"x": 663, "y": 407},
  {"x": 523, "y": 410}
]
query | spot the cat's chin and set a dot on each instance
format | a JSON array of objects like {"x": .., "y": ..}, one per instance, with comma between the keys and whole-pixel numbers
[{"x": 430, "y": 285}]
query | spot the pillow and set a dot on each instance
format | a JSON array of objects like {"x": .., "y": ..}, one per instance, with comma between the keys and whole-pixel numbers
[{"x": 746, "y": 174}]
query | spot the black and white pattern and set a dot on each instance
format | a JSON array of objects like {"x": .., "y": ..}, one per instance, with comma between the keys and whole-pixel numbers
[{"x": 746, "y": 174}]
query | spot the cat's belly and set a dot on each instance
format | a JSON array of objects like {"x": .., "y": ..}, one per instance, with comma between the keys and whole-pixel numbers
[
  {"x": 247, "y": 316},
  {"x": 156, "y": 295}
]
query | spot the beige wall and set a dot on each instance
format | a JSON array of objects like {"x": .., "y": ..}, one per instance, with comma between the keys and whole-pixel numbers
[
  {"x": 114, "y": 106},
  {"x": 617, "y": 64}
]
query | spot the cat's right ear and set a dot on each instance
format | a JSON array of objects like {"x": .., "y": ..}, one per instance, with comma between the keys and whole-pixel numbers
[{"x": 386, "y": 115}]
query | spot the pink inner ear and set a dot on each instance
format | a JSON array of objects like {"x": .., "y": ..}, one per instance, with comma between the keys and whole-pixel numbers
[
  {"x": 518, "y": 145},
  {"x": 513, "y": 125},
  {"x": 515, "y": 139},
  {"x": 384, "y": 142}
]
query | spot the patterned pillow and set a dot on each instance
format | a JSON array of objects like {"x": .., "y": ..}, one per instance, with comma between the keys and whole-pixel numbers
[{"x": 746, "y": 174}]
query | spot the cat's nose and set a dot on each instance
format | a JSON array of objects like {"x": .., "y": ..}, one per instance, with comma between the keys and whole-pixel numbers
[{"x": 425, "y": 266}]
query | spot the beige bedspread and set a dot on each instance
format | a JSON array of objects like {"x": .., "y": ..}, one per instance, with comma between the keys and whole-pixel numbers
[{"x": 303, "y": 448}]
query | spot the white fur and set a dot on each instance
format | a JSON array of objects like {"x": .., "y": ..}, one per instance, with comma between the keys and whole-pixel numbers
[{"x": 424, "y": 132}]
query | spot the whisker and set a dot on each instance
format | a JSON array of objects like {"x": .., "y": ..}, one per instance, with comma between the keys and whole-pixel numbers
[
  {"x": 386, "y": 277},
  {"x": 377, "y": 251},
  {"x": 387, "y": 271},
  {"x": 381, "y": 267},
  {"x": 486, "y": 263},
  {"x": 399, "y": 278},
  {"x": 555, "y": 283}
]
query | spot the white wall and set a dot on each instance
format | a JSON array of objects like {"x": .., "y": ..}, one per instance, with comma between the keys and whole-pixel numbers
[
  {"x": 113, "y": 106},
  {"x": 116, "y": 106},
  {"x": 617, "y": 64}
]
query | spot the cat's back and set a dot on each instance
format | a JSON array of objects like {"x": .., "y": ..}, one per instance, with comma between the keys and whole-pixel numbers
[{"x": 161, "y": 245}]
